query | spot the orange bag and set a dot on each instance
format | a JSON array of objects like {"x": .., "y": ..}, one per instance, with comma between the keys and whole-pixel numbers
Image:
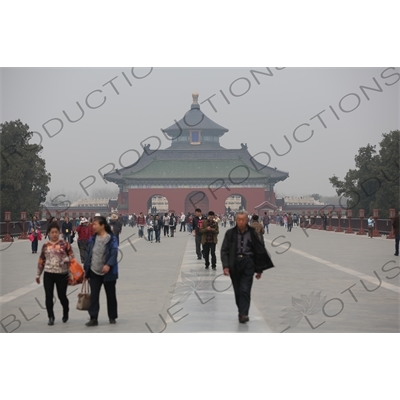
[{"x": 76, "y": 272}]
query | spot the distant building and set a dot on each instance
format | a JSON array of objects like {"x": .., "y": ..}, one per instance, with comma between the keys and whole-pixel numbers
[
  {"x": 85, "y": 207},
  {"x": 301, "y": 201},
  {"x": 195, "y": 171}
]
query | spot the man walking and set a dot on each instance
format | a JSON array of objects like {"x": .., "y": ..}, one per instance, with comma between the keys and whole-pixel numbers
[
  {"x": 242, "y": 256},
  {"x": 289, "y": 222},
  {"x": 182, "y": 220},
  {"x": 209, "y": 240},
  {"x": 396, "y": 228},
  {"x": 370, "y": 226},
  {"x": 141, "y": 222},
  {"x": 266, "y": 222},
  {"x": 197, "y": 224}
]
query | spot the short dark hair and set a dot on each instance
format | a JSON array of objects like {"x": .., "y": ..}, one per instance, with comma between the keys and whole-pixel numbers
[
  {"x": 53, "y": 225},
  {"x": 211, "y": 213},
  {"x": 197, "y": 210},
  {"x": 254, "y": 217}
]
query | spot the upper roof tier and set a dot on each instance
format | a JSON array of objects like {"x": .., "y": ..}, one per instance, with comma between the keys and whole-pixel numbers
[{"x": 194, "y": 120}]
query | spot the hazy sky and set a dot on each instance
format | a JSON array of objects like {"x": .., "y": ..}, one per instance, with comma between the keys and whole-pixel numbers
[{"x": 270, "y": 109}]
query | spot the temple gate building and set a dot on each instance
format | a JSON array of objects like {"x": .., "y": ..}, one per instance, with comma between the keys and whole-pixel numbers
[{"x": 195, "y": 171}]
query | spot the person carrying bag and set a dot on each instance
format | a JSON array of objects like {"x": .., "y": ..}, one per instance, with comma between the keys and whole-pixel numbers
[{"x": 84, "y": 297}]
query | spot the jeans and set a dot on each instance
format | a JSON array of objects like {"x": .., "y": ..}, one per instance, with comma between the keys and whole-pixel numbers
[
  {"x": 198, "y": 245},
  {"x": 61, "y": 282},
  {"x": 157, "y": 232},
  {"x": 95, "y": 286},
  {"x": 266, "y": 227},
  {"x": 141, "y": 231},
  {"x": 67, "y": 237},
  {"x": 35, "y": 245},
  {"x": 207, "y": 247},
  {"x": 166, "y": 230},
  {"x": 150, "y": 234},
  {"x": 189, "y": 228},
  {"x": 242, "y": 281}
]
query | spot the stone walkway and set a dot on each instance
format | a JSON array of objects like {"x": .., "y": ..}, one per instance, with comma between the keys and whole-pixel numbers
[{"x": 323, "y": 282}]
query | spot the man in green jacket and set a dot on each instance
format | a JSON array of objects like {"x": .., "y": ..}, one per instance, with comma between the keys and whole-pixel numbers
[{"x": 209, "y": 240}]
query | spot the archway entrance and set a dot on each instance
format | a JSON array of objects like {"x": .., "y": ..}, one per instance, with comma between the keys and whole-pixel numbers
[
  {"x": 157, "y": 204},
  {"x": 235, "y": 203},
  {"x": 196, "y": 199}
]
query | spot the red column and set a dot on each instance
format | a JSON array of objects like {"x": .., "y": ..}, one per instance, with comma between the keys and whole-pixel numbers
[
  {"x": 361, "y": 216},
  {"x": 392, "y": 215},
  {"x": 330, "y": 222},
  {"x": 339, "y": 215},
  {"x": 7, "y": 218},
  {"x": 375, "y": 215},
  {"x": 314, "y": 226},
  {"x": 23, "y": 233},
  {"x": 349, "y": 215}
]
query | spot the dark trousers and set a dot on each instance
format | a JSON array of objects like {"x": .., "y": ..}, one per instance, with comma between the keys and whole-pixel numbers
[
  {"x": 266, "y": 227},
  {"x": 35, "y": 244},
  {"x": 158, "y": 232},
  {"x": 82, "y": 244},
  {"x": 61, "y": 282},
  {"x": 183, "y": 225},
  {"x": 172, "y": 230},
  {"x": 396, "y": 244},
  {"x": 370, "y": 231},
  {"x": 166, "y": 230},
  {"x": 117, "y": 236},
  {"x": 140, "y": 231},
  {"x": 95, "y": 285},
  {"x": 242, "y": 281},
  {"x": 198, "y": 245},
  {"x": 207, "y": 247}
]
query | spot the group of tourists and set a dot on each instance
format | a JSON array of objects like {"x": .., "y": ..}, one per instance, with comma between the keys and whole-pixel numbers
[
  {"x": 243, "y": 253},
  {"x": 98, "y": 248}
]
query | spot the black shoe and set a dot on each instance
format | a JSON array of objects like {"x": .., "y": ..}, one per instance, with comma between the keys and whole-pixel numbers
[
  {"x": 396, "y": 254},
  {"x": 214, "y": 268},
  {"x": 207, "y": 267},
  {"x": 243, "y": 319},
  {"x": 51, "y": 321},
  {"x": 113, "y": 321},
  {"x": 92, "y": 322},
  {"x": 65, "y": 319},
  {"x": 199, "y": 258}
]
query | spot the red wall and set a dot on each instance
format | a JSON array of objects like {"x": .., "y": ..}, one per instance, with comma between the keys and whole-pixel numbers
[{"x": 138, "y": 198}]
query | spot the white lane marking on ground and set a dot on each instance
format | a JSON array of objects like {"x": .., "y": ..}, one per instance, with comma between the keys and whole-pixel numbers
[
  {"x": 346, "y": 270},
  {"x": 18, "y": 293},
  {"x": 32, "y": 286},
  {"x": 188, "y": 261}
]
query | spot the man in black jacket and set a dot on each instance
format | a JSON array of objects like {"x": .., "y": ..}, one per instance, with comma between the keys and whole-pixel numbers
[{"x": 242, "y": 256}]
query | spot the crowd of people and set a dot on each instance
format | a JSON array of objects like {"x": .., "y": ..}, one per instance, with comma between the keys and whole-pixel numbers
[{"x": 243, "y": 251}]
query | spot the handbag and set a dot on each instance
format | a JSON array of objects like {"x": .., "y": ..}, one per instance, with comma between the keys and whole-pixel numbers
[
  {"x": 39, "y": 235},
  {"x": 76, "y": 272},
  {"x": 31, "y": 237},
  {"x": 84, "y": 297}
]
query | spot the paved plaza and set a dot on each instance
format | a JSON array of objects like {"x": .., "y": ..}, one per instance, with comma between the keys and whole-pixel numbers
[{"x": 322, "y": 282}]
